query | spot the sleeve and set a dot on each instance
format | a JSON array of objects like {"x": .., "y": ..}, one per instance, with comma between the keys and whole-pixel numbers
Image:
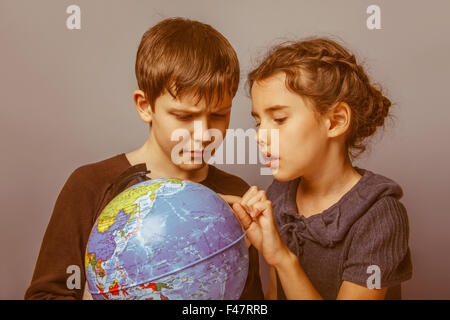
[
  {"x": 378, "y": 255},
  {"x": 59, "y": 271}
]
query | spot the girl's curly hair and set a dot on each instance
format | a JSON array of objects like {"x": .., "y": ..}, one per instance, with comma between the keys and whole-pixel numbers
[{"x": 326, "y": 73}]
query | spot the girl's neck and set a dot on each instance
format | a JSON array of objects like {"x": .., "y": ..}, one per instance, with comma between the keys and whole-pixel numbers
[{"x": 325, "y": 187}]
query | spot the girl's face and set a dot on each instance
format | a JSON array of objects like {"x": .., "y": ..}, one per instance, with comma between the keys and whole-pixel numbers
[{"x": 302, "y": 135}]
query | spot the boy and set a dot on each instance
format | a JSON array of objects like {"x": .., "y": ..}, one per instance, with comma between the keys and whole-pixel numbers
[{"x": 187, "y": 72}]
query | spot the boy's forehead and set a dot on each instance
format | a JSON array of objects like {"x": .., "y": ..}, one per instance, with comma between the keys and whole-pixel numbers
[{"x": 192, "y": 103}]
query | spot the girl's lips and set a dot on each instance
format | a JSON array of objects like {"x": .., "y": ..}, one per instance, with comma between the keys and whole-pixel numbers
[
  {"x": 269, "y": 156},
  {"x": 273, "y": 163}
]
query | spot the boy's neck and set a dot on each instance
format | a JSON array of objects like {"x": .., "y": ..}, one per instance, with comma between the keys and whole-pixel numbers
[{"x": 161, "y": 167}]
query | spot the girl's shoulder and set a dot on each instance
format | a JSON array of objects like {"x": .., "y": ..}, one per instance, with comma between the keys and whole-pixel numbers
[
  {"x": 385, "y": 217},
  {"x": 379, "y": 199}
]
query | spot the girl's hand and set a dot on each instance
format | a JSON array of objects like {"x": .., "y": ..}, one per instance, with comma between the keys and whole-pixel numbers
[{"x": 254, "y": 212}]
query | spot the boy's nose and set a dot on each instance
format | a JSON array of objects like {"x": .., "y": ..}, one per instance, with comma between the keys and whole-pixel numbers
[
  {"x": 203, "y": 134},
  {"x": 201, "y": 129}
]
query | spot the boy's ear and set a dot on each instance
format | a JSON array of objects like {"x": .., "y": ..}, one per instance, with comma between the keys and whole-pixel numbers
[
  {"x": 142, "y": 106},
  {"x": 338, "y": 119}
]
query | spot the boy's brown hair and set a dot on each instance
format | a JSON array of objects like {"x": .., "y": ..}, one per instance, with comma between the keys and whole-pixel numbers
[
  {"x": 182, "y": 56},
  {"x": 325, "y": 73}
]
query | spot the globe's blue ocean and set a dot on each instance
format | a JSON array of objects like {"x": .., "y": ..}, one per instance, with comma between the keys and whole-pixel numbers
[{"x": 166, "y": 239}]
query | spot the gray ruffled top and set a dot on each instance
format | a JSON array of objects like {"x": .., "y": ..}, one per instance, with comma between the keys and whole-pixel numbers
[{"x": 367, "y": 226}]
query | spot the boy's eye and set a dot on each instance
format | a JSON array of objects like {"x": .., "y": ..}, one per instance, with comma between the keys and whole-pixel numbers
[
  {"x": 219, "y": 115},
  {"x": 183, "y": 116}
]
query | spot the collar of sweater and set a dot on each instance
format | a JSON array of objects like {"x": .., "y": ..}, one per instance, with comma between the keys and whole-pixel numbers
[{"x": 331, "y": 225}]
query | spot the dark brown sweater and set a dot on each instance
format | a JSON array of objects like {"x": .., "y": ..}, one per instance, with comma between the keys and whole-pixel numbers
[{"x": 84, "y": 195}]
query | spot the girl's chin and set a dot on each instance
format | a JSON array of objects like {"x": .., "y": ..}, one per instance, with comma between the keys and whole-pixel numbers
[
  {"x": 283, "y": 176},
  {"x": 279, "y": 177},
  {"x": 278, "y": 174}
]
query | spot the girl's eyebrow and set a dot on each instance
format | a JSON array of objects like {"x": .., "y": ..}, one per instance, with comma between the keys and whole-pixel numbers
[{"x": 270, "y": 109}]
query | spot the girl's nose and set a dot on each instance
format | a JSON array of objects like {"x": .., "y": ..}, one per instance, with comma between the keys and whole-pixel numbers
[
  {"x": 261, "y": 138},
  {"x": 268, "y": 141}
]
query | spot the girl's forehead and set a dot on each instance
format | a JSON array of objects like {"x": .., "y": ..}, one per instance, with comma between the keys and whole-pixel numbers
[
  {"x": 276, "y": 81},
  {"x": 271, "y": 109},
  {"x": 273, "y": 95},
  {"x": 272, "y": 91}
]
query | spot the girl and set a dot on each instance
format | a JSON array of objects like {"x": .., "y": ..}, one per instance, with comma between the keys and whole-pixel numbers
[{"x": 328, "y": 229}]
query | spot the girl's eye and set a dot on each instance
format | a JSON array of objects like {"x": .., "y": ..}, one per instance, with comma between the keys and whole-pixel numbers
[{"x": 280, "y": 120}]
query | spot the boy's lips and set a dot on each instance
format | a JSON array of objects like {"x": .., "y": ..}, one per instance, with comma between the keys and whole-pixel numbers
[{"x": 196, "y": 153}]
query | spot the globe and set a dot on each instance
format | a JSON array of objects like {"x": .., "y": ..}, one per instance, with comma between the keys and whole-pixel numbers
[{"x": 166, "y": 239}]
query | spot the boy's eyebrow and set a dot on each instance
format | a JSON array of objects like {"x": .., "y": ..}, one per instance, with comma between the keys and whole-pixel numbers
[
  {"x": 223, "y": 108},
  {"x": 184, "y": 110},
  {"x": 270, "y": 109}
]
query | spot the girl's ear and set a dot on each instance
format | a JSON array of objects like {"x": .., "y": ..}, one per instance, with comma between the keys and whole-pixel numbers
[
  {"x": 338, "y": 119},
  {"x": 142, "y": 106}
]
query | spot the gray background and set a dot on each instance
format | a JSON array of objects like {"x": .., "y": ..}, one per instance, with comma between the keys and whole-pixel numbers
[{"x": 66, "y": 101}]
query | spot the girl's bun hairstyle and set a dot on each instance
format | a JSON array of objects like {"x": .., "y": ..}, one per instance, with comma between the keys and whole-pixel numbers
[{"x": 325, "y": 73}]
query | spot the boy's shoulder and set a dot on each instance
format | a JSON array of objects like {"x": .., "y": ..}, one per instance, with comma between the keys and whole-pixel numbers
[
  {"x": 99, "y": 173},
  {"x": 226, "y": 183}
]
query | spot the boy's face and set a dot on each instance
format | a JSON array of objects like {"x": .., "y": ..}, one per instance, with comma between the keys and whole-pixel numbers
[
  {"x": 174, "y": 118},
  {"x": 302, "y": 138}
]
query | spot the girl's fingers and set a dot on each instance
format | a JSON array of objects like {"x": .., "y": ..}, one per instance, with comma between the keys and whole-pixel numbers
[
  {"x": 264, "y": 208},
  {"x": 247, "y": 196},
  {"x": 263, "y": 195},
  {"x": 258, "y": 197},
  {"x": 230, "y": 199},
  {"x": 257, "y": 209},
  {"x": 250, "y": 206},
  {"x": 242, "y": 215}
]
